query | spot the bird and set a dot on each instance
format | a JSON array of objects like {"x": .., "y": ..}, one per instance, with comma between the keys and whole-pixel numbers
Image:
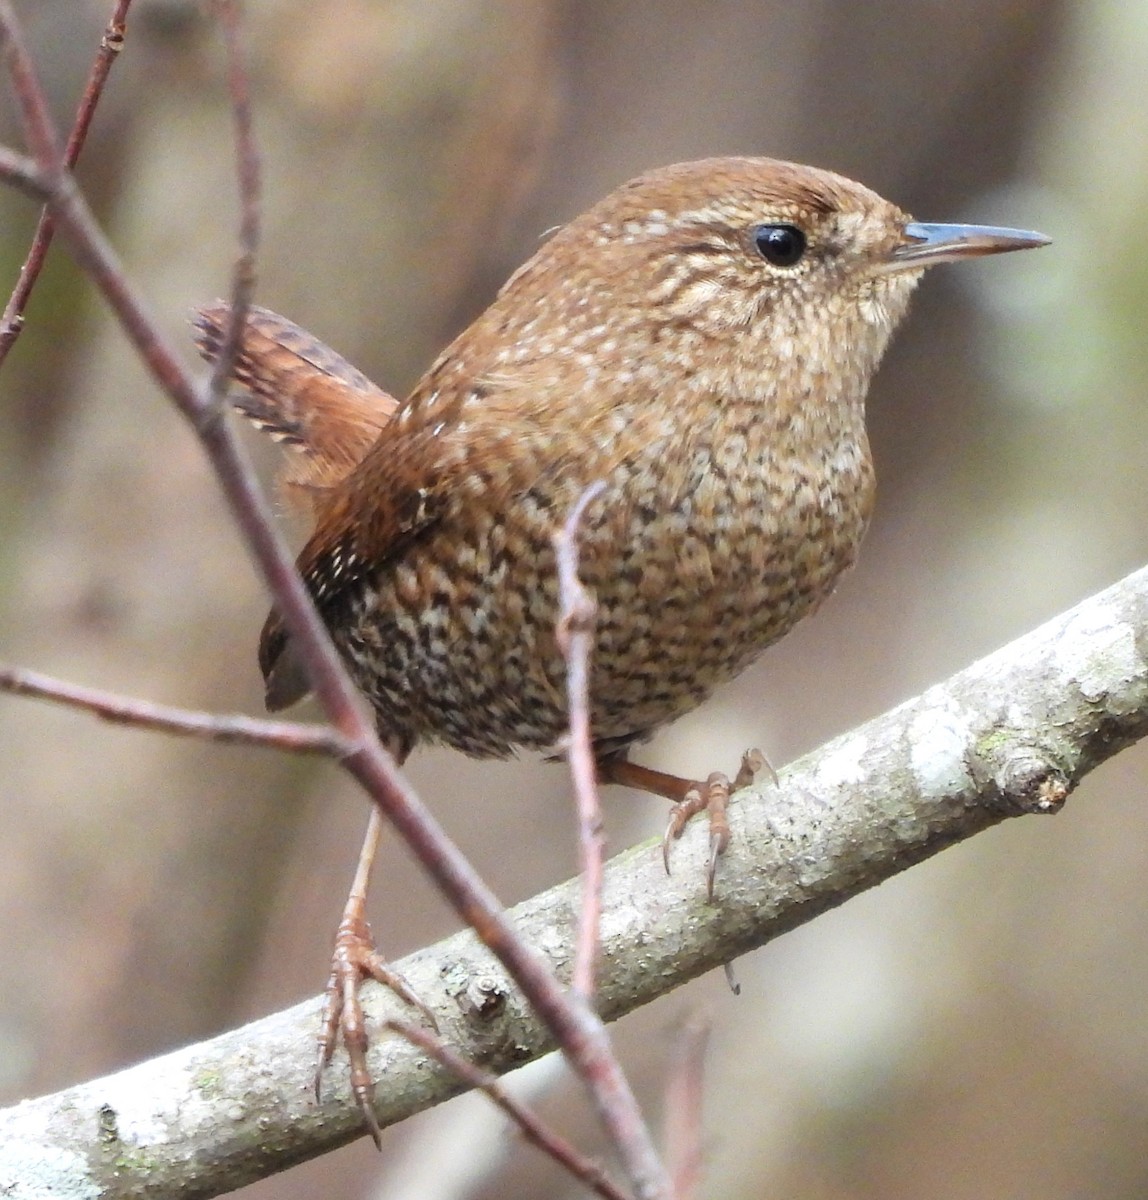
[{"x": 699, "y": 345}]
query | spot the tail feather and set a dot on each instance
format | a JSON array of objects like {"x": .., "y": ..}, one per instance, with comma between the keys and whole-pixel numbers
[
  {"x": 307, "y": 397},
  {"x": 301, "y": 393}
]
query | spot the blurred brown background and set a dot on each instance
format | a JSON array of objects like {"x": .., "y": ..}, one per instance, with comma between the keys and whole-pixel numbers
[{"x": 977, "y": 1028}]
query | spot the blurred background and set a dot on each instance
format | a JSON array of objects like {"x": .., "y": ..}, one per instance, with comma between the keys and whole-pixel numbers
[{"x": 977, "y": 1027}]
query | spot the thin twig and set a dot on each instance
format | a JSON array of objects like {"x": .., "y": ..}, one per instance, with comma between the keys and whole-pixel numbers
[
  {"x": 533, "y": 1130},
  {"x": 579, "y": 1031},
  {"x": 683, "y": 1136},
  {"x": 12, "y": 322},
  {"x": 575, "y": 640},
  {"x": 232, "y": 728},
  {"x": 247, "y": 169}
]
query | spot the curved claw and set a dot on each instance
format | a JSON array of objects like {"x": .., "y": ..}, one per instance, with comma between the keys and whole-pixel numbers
[
  {"x": 363, "y": 1089},
  {"x": 328, "y": 1029},
  {"x": 717, "y": 846},
  {"x": 355, "y": 959},
  {"x": 717, "y": 802},
  {"x": 690, "y": 799},
  {"x": 731, "y": 979},
  {"x": 692, "y": 803}
]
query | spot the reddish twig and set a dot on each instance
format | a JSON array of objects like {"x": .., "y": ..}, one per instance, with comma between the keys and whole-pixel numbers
[
  {"x": 534, "y": 1131},
  {"x": 576, "y": 1027},
  {"x": 683, "y": 1134},
  {"x": 12, "y": 321},
  {"x": 233, "y": 728},
  {"x": 247, "y": 169},
  {"x": 575, "y": 639}
]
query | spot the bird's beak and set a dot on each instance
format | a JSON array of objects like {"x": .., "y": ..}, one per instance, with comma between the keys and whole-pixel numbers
[{"x": 925, "y": 245}]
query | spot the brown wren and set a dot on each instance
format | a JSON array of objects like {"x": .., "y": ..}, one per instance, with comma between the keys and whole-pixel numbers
[{"x": 701, "y": 342}]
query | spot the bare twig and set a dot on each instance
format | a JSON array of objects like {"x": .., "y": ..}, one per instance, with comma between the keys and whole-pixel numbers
[
  {"x": 577, "y": 1028},
  {"x": 234, "y": 728},
  {"x": 575, "y": 640},
  {"x": 248, "y": 173},
  {"x": 534, "y": 1131},
  {"x": 12, "y": 322},
  {"x": 683, "y": 1137}
]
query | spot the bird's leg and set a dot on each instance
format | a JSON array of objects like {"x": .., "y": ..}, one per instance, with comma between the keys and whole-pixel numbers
[
  {"x": 354, "y": 960},
  {"x": 689, "y": 797}
]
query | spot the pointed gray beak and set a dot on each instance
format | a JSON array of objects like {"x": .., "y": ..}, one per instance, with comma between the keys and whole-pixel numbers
[{"x": 926, "y": 245}]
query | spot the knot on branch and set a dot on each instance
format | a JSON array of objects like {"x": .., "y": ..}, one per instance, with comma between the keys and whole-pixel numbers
[
  {"x": 579, "y": 611},
  {"x": 1026, "y": 778},
  {"x": 483, "y": 999}
]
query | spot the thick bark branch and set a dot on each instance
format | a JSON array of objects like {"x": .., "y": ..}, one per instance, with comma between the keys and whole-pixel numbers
[{"x": 1014, "y": 733}]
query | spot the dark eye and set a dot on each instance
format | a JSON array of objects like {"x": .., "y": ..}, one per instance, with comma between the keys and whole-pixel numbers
[{"x": 780, "y": 245}]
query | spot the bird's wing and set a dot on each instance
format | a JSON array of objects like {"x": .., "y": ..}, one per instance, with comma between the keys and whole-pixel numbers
[{"x": 372, "y": 515}]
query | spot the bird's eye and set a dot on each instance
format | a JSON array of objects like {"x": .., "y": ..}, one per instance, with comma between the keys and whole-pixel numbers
[{"x": 779, "y": 245}]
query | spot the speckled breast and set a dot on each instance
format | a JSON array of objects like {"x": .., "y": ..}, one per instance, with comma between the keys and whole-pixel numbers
[{"x": 694, "y": 572}]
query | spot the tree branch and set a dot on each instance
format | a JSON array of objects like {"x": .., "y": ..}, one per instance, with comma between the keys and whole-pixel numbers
[
  {"x": 296, "y": 737},
  {"x": 1012, "y": 734}
]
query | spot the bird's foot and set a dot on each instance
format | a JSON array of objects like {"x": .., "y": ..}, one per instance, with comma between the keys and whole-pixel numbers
[
  {"x": 712, "y": 797},
  {"x": 355, "y": 959},
  {"x": 690, "y": 797}
]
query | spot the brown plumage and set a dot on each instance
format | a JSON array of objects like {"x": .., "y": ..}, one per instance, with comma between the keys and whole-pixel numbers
[{"x": 650, "y": 344}]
